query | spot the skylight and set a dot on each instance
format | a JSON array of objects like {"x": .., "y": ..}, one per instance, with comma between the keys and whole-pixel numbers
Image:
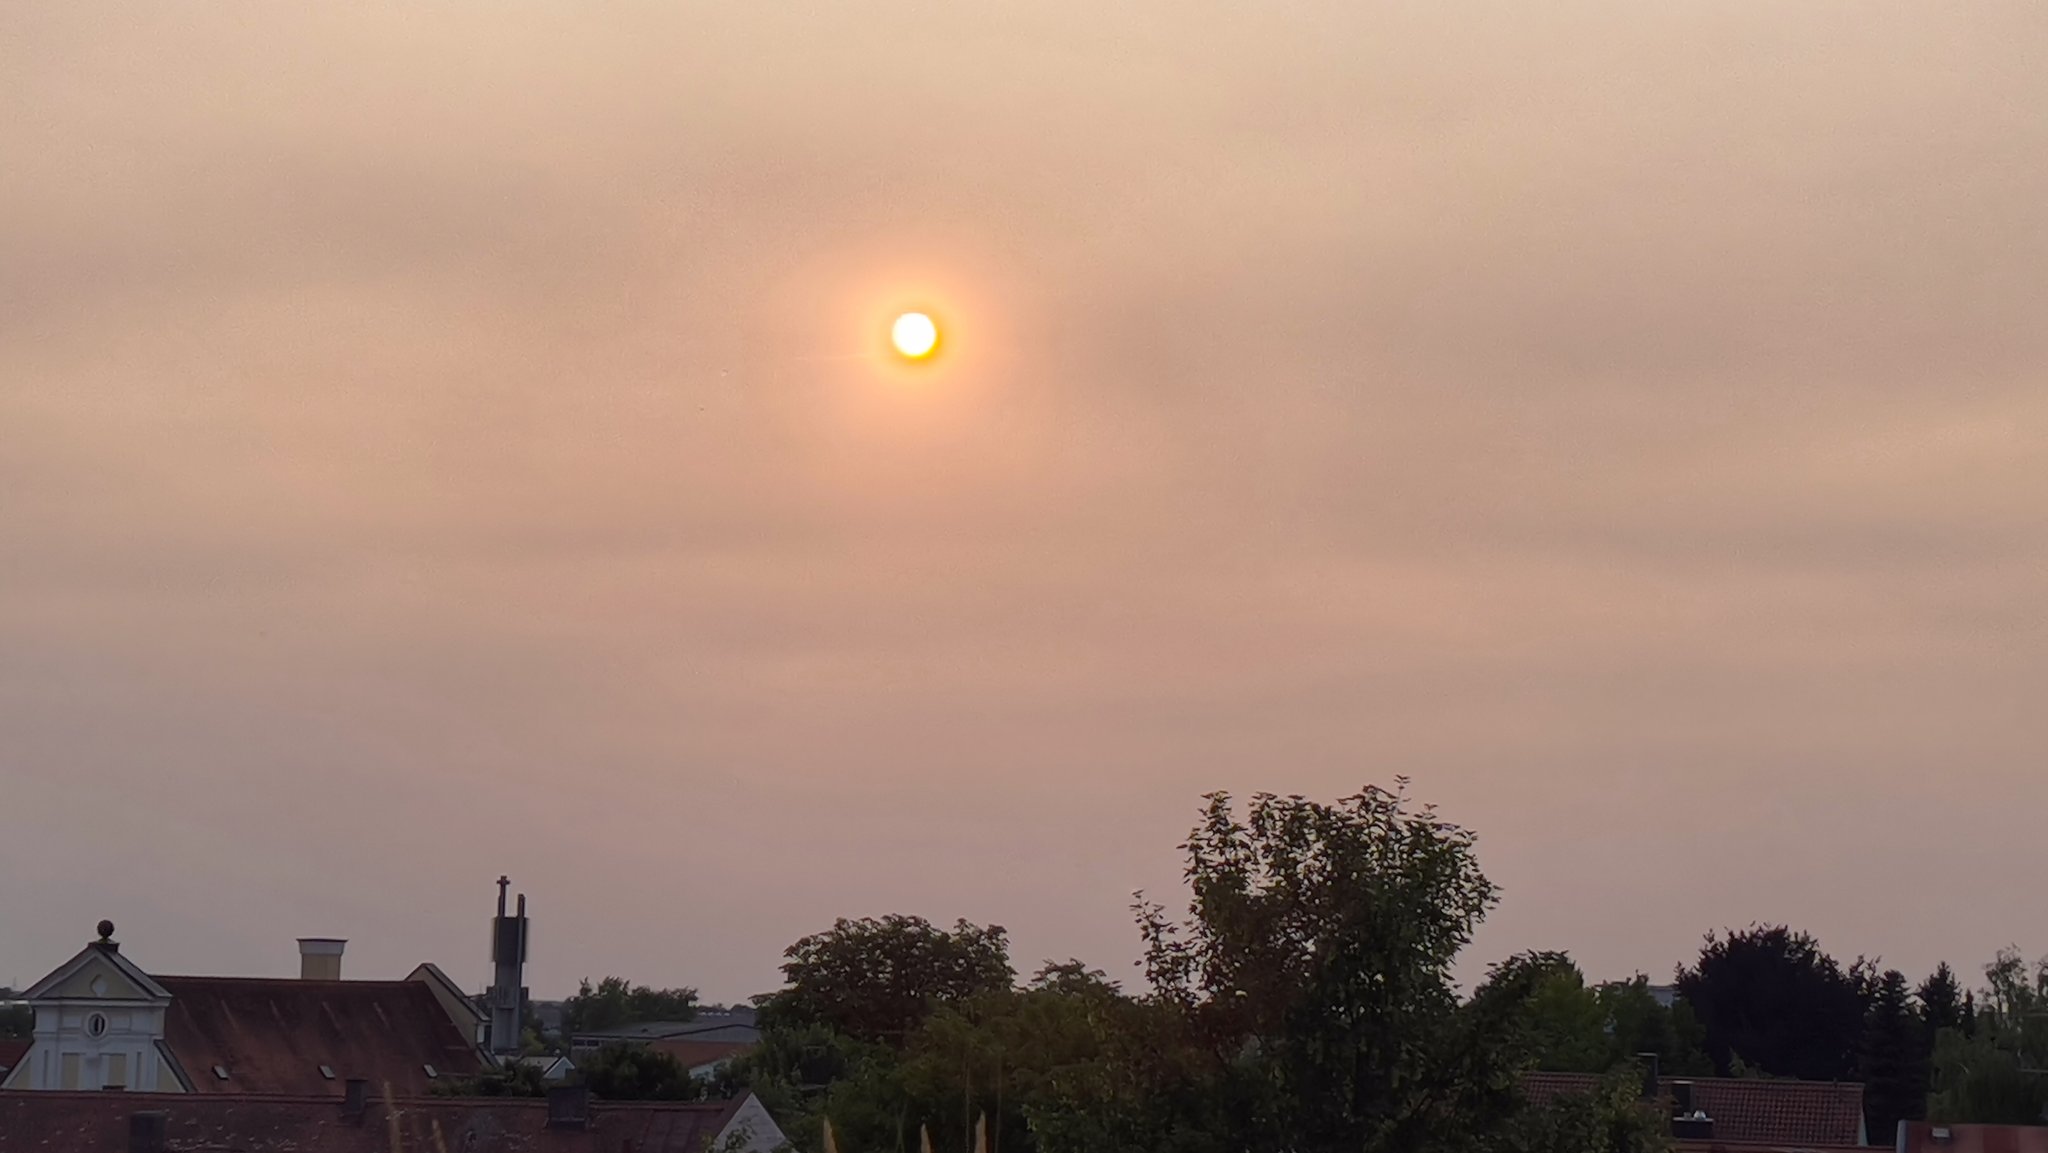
[{"x": 327, "y": 1071}]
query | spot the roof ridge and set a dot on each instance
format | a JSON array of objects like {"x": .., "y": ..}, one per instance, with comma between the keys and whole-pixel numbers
[
  {"x": 170, "y": 1097},
  {"x": 354, "y": 981}
]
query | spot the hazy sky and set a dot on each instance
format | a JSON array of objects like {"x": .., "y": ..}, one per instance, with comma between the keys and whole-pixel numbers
[{"x": 438, "y": 441}]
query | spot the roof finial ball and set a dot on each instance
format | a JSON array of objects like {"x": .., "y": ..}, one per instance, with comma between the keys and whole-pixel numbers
[{"x": 106, "y": 930}]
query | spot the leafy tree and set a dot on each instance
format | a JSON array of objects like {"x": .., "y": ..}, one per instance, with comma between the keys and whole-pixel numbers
[
  {"x": 1574, "y": 1028},
  {"x": 615, "y": 1001},
  {"x": 637, "y": 1073},
  {"x": 877, "y": 980},
  {"x": 1893, "y": 1062},
  {"x": 1314, "y": 968},
  {"x": 1611, "y": 1119},
  {"x": 1638, "y": 1023},
  {"x": 802, "y": 1073},
  {"x": 1568, "y": 1028},
  {"x": 1941, "y": 999},
  {"x": 1772, "y": 998},
  {"x": 1998, "y": 1072}
]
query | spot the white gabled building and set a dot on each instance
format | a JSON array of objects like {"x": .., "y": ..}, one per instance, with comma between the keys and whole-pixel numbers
[{"x": 99, "y": 1025}]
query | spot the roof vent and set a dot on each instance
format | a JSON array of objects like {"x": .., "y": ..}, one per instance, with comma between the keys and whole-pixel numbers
[
  {"x": 146, "y": 1132},
  {"x": 221, "y": 1071},
  {"x": 327, "y": 1072},
  {"x": 1694, "y": 1126},
  {"x": 431, "y": 1074}
]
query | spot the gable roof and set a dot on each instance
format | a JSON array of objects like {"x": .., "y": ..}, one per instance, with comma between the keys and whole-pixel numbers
[
  {"x": 12, "y": 1051},
  {"x": 1805, "y": 1113},
  {"x": 272, "y": 1036},
  {"x": 711, "y": 1025},
  {"x": 98, "y": 953},
  {"x": 451, "y": 994},
  {"x": 98, "y": 1123}
]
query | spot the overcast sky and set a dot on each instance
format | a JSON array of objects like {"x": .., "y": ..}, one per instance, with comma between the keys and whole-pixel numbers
[{"x": 438, "y": 441}]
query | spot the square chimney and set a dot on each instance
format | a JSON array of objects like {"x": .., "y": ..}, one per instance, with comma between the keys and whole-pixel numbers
[{"x": 320, "y": 958}]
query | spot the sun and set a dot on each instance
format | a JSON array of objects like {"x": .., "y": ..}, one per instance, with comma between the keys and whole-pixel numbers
[{"x": 914, "y": 335}]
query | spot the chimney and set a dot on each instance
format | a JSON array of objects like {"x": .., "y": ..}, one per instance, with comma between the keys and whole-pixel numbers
[
  {"x": 146, "y": 1132},
  {"x": 569, "y": 1106},
  {"x": 355, "y": 1099},
  {"x": 1651, "y": 1070},
  {"x": 1681, "y": 1098},
  {"x": 320, "y": 958}
]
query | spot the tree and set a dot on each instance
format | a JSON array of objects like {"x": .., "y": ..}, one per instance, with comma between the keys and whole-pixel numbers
[
  {"x": 799, "y": 1070},
  {"x": 1893, "y": 1061},
  {"x": 1772, "y": 998},
  {"x": 615, "y": 1001},
  {"x": 1315, "y": 969},
  {"x": 1941, "y": 1000},
  {"x": 1567, "y": 1027},
  {"x": 1639, "y": 1023},
  {"x": 877, "y": 980},
  {"x": 1577, "y": 1029},
  {"x": 637, "y": 1073},
  {"x": 1997, "y": 1073},
  {"x": 1613, "y": 1118}
]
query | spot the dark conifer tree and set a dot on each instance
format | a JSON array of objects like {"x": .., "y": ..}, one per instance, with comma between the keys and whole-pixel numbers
[{"x": 1893, "y": 1061}]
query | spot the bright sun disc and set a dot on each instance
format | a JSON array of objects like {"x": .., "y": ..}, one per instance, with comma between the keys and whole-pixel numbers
[{"x": 914, "y": 335}]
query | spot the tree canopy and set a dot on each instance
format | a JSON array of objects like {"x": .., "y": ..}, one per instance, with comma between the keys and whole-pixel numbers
[
  {"x": 1314, "y": 967},
  {"x": 1893, "y": 1060},
  {"x": 1303, "y": 1003},
  {"x": 1996, "y": 1072},
  {"x": 1773, "y": 1000},
  {"x": 876, "y": 980},
  {"x": 614, "y": 1002}
]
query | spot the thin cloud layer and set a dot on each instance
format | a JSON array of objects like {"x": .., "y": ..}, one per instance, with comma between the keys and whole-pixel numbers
[{"x": 438, "y": 444}]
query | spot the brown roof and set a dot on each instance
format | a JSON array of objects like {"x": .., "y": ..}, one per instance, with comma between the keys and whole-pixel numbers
[
  {"x": 1920, "y": 1137},
  {"x": 1764, "y": 1147},
  {"x": 692, "y": 1054},
  {"x": 98, "y": 1123},
  {"x": 272, "y": 1036},
  {"x": 1804, "y": 1114},
  {"x": 12, "y": 1051}
]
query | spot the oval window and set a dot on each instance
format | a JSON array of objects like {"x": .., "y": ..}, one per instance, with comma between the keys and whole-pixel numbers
[{"x": 96, "y": 1025}]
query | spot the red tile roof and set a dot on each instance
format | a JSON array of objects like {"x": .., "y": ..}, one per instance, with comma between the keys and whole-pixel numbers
[
  {"x": 1919, "y": 1137},
  {"x": 1764, "y": 1147},
  {"x": 12, "y": 1051},
  {"x": 98, "y": 1123},
  {"x": 1799, "y": 1113},
  {"x": 272, "y": 1036},
  {"x": 692, "y": 1054}
]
